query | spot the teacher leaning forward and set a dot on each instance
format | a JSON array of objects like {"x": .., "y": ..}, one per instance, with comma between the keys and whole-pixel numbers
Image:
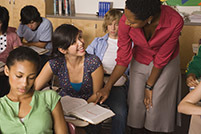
[{"x": 155, "y": 79}]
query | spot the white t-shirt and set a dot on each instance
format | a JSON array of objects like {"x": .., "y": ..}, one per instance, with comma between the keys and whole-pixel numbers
[
  {"x": 110, "y": 56},
  {"x": 109, "y": 61}
]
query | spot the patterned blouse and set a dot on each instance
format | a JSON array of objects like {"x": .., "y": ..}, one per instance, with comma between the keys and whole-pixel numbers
[{"x": 59, "y": 68}]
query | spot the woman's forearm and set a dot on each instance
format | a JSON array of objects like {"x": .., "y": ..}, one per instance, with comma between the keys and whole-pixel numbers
[
  {"x": 189, "y": 108},
  {"x": 116, "y": 74},
  {"x": 155, "y": 73}
]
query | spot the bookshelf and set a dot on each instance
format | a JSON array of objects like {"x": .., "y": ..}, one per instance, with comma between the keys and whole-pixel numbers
[
  {"x": 14, "y": 7},
  {"x": 90, "y": 24}
]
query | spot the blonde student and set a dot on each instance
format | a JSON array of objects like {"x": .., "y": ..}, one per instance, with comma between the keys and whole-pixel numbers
[{"x": 106, "y": 49}]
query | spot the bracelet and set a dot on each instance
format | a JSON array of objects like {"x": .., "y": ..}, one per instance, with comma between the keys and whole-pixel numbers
[{"x": 148, "y": 87}]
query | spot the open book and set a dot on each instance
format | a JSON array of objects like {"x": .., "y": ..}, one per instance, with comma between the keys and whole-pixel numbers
[{"x": 90, "y": 112}]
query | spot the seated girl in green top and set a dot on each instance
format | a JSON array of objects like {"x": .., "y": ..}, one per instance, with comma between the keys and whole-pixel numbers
[{"x": 24, "y": 110}]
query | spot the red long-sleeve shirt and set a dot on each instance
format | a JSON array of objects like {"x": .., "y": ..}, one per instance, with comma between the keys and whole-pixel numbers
[{"x": 161, "y": 48}]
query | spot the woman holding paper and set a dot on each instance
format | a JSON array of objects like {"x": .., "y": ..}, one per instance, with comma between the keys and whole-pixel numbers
[
  {"x": 80, "y": 74},
  {"x": 154, "y": 85}
]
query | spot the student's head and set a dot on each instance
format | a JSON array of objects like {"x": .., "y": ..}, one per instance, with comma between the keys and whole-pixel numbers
[
  {"x": 30, "y": 17},
  {"x": 67, "y": 39},
  {"x": 141, "y": 12},
  {"x": 22, "y": 67},
  {"x": 111, "y": 21},
  {"x": 4, "y": 19}
]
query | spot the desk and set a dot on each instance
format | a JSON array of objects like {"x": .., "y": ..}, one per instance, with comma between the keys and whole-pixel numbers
[
  {"x": 77, "y": 122},
  {"x": 39, "y": 50},
  {"x": 195, "y": 124}
]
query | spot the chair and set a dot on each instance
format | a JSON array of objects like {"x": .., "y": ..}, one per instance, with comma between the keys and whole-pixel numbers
[
  {"x": 71, "y": 128},
  {"x": 11, "y": 29}
]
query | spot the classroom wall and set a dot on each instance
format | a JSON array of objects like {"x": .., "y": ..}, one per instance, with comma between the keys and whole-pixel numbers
[
  {"x": 91, "y": 6},
  {"x": 188, "y": 9}
]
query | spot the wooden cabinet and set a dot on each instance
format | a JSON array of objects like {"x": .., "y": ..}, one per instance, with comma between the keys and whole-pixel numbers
[
  {"x": 14, "y": 7},
  {"x": 90, "y": 28},
  {"x": 189, "y": 35},
  {"x": 58, "y": 21}
]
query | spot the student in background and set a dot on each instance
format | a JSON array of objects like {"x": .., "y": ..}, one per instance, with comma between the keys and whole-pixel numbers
[
  {"x": 8, "y": 41},
  {"x": 36, "y": 30},
  {"x": 106, "y": 49},
  {"x": 154, "y": 87},
  {"x": 8, "y": 38},
  {"x": 190, "y": 105},
  {"x": 25, "y": 110},
  {"x": 193, "y": 71}
]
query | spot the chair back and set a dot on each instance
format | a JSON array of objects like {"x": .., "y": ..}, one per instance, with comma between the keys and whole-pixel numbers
[
  {"x": 11, "y": 29},
  {"x": 71, "y": 128}
]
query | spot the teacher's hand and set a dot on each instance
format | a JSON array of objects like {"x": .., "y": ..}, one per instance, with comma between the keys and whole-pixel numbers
[
  {"x": 102, "y": 95},
  {"x": 148, "y": 99}
]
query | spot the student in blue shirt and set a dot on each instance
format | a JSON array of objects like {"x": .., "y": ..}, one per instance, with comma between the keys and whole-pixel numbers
[
  {"x": 106, "y": 49},
  {"x": 35, "y": 30}
]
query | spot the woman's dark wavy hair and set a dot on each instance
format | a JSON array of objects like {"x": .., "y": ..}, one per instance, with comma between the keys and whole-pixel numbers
[
  {"x": 64, "y": 36},
  {"x": 30, "y": 13},
  {"x": 21, "y": 54},
  {"x": 4, "y": 19},
  {"x": 143, "y": 9}
]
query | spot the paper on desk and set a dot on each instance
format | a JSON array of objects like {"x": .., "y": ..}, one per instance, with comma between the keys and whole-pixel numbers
[
  {"x": 195, "y": 48},
  {"x": 39, "y": 50},
  {"x": 2, "y": 64}
]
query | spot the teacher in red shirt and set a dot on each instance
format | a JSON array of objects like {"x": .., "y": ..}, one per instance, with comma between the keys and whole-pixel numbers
[{"x": 154, "y": 89}]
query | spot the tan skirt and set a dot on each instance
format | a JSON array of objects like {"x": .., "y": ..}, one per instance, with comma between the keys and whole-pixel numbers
[{"x": 163, "y": 116}]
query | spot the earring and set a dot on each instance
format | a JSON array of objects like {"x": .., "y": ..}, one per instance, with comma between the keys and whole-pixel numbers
[{"x": 149, "y": 22}]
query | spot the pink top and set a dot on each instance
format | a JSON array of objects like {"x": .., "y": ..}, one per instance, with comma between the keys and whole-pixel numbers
[
  {"x": 13, "y": 41},
  {"x": 161, "y": 48}
]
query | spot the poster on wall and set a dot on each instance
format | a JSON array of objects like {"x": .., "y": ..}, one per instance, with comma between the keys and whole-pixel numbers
[{"x": 183, "y": 2}]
